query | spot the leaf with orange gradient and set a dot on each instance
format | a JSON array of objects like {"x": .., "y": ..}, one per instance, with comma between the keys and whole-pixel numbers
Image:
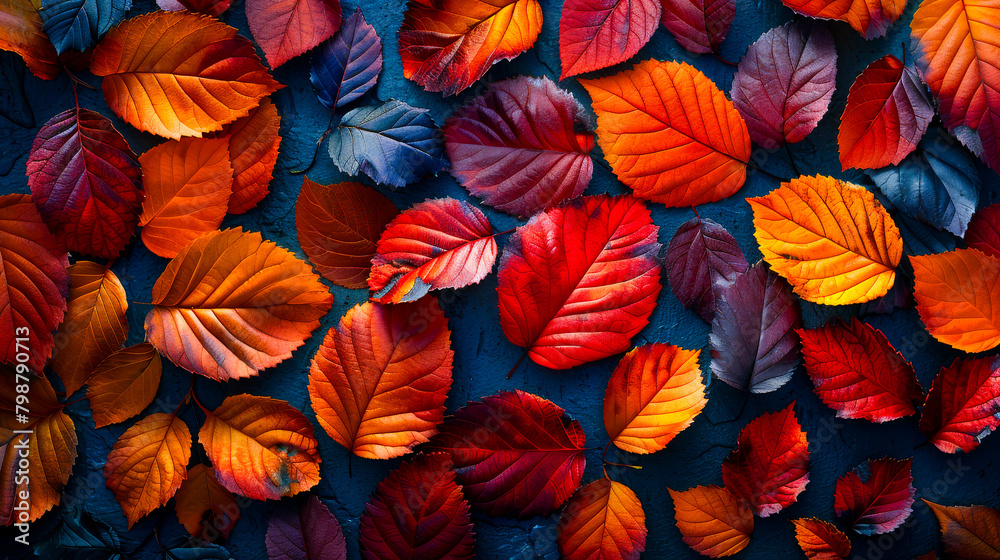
[
  {"x": 604, "y": 519},
  {"x": 51, "y": 448},
  {"x": 958, "y": 298},
  {"x": 179, "y": 74},
  {"x": 595, "y": 35},
  {"x": 231, "y": 304},
  {"x": 832, "y": 241},
  {"x": 870, "y": 18},
  {"x": 670, "y": 134},
  {"x": 654, "y": 394},
  {"x": 124, "y": 384},
  {"x": 147, "y": 464},
  {"x": 379, "y": 381},
  {"x": 253, "y": 151},
  {"x": 287, "y": 28},
  {"x": 447, "y": 45},
  {"x": 261, "y": 448},
  {"x": 22, "y": 33},
  {"x": 820, "y": 540},
  {"x": 712, "y": 521},
  {"x": 958, "y": 51},
  {"x": 188, "y": 183},
  {"x": 968, "y": 532},
  {"x": 95, "y": 325},
  {"x": 205, "y": 508}
]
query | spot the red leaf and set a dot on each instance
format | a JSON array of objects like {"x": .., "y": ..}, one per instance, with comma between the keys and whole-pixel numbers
[
  {"x": 418, "y": 511},
  {"x": 882, "y": 502},
  {"x": 769, "y": 467},
  {"x": 871, "y": 18},
  {"x": 886, "y": 115},
  {"x": 85, "y": 181},
  {"x": 577, "y": 282},
  {"x": 784, "y": 83},
  {"x": 699, "y": 26},
  {"x": 287, "y": 28},
  {"x": 984, "y": 231},
  {"x": 963, "y": 405},
  {"x": 304, "y": 531},
  {"x": 436, "y": 244},
  {"x": 603, "y": 520},
  {"x": 515, "y": 453},
  {"x": 858, "y": 373},
  {"x": 595, "y": 35},
  {"x": 253, "y": 151},
  {"x": 207, "y": 7},
  {"x": 820, "y": 540},
  {"x": 701, "y": 257},
  {"x": 523, "y": 146}
]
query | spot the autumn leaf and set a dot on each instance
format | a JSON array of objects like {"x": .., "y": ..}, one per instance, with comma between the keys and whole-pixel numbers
[
  {"x": 784, "y": 83},
  {"x": 522, "y": 146},
  {"x": 379, "y": 381},
  {"x": 595, "y": 35},
  {"x": 124, "y": 384},
  {"x": 435, "y": 244},
  {"x": 968, "y": 532},
  {"x": 870, "y": 18},
  {"x": 753, "y": 340},
  {"x": 515, "y": 453},
  {"x": 147, "y": 464},
  {"x": 253, "y": 152},
  {"x": 285, "y": 29},
  {"x": 188, "y": 185},
  {"x": 205, "y": 508},
  {"x": 577, "y": 282},
  {"x": 78, "y": 24},
  {"x": 347, "y": 66},
  {"x": 820, "y": 540},
  {"x": 699, "y": 26},
  {"x": 832, "y": 241},
  {"x": 86, "y": 182},
  {"x": 685, "y": 146},
  {"x": 962, "y": 405},
  {"x": 984, "y": 231},
  {"x": 447, "y": 45},
  {"x": 261, "y": 448},
  {"x": 153, "y": 63},
  {"x": 207, "y": 7},
  {"x": 231, "y": 304},
  {"x": 881, "y": 503},
  {"x": 958, "y": 298},
  {"x": 654, "y": 394},
  {"x": 886, "y": 115},
  {"x": 304, "y": 530},
  {"x": 95, "y": 325},
  {"x": 22, "y": 33},
  {"x": 35, "y": 282},
  {"x": 712, "y": 520},
  {"x": 604, "y": 519},
  {"x": 701, "y": 257},
  {"x": 418, "y": 511},
  {"x": 858, "y": 373}
]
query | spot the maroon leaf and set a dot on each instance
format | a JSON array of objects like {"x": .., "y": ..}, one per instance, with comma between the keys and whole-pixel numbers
[
  {"x": 699, "y": 26},
  {"x": 963, "y": 405},
  {"x": 881, "y": 503},
  {"x": 602, "y": 33},
  {"x": 984, "y": 231},
  {"x": 700, "y": 256},
  {"x": 304, "y": 529}
]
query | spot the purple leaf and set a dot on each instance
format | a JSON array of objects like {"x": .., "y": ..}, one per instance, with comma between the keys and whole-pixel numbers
[
  {"x": 699, "y": 26},
  {"x": 345, "y": 67},
  {"x": 700, "y": 256},
  {"x": 304, "y": 529}
]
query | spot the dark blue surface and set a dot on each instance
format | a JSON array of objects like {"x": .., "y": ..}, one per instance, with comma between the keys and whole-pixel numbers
[{"x": 482, "y": 354}]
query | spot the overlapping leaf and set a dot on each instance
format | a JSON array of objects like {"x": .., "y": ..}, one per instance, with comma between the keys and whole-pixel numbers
[
  {"x": 522, "y": 146},
  {"x": 701, "y": 257},
  {"x": 858, "y": 373},
  {"x": 820, "y": 540},
  {"x": 699, "y": 26},
  {"x": 231, "y": 304},
  {"x": 604, "y": 519},
  {"x": 577, "y": 282},
  {"x": 447, "y": 45},
  {"x": 77, "y": 24},
  {"x": 348, "y": 65},
  {"x": 712, "y": 520},
  {"x": 285, "y": 29},
  {"x": 207, "y": 7},
  {"x": 785, "y": 82},
  {"x": 870, "y": 18},
  {"x": 303, "y": 531},
  {"x": 436, "y": 244},
  {"x": 879, "y": 504},
  {"x": 253, "y": 152},
  {"x": 984, "y": 231},
  {"x": 179, "y": 74},
  {"x": 515, "y": 453},
  {"x": 418, "y": 511},
  {"x": 124, "y": 384},
  {"x": 963, "y": 405},
  {"x": 655, "y": 393},
  {"x": 205, "y": 508},
  {"x": 22, "y": 33},
  {"x": 968, "y": 532},
  {"x": 686, "y": 145},
  {"x": 832, "y": 241},
  {"x": 595, "y": 35}
]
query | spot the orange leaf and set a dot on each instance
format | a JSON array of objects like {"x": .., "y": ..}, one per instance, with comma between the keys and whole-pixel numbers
[
  {"x": 287, "y": 28},
  {"x": 832, "y": 241},
  {"x": 380, "y": 379},
  {"x": 958, "y": 297},
  {"x": 604, "y": 519},
  {"x": 231, "y": 304},
  {"x": 188, "y": 183},
  {"x": 22, "y": 33},
  {"x": 820, "y": 540},
  {"x": 670, "y": 134},
  {"x": 969, "y": 533},
  {"x": 179, "y": 74},
  {"x": 870, "y": 18},
  {"x": 95, "y": 325},
  {"x": 124, "y": 384},
  {"x": 205, "y": 508},
  {"x": 261, "y": 448},
  {"x": 51, "y": 449},
  {"x": 147, "y": 464},
  {"x": 253, "y": 151},
  {"x": 655, "y": 393},
  {"x": 713, "y": 521}
]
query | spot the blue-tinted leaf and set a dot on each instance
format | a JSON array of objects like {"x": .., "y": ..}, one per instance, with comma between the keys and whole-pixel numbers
[
  {"x": 78, "y": 536},
  {"x": 347, "y": 65},
  {"x": 393, "y": 143},
  {"x": 937, "y": 184},
  {"x": 922, "y": 239},
  {"x": 182, "y": 548},
  {"x": 13, "y": 102},
  {"x": 77, "y": 24}
]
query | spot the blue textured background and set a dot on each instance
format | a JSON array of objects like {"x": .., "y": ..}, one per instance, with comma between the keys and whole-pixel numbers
[{"x": 482, "y": 354}]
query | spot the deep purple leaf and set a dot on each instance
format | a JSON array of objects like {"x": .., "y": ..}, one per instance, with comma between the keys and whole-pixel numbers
[
  {"x": 702, "y": 255},
  {"x": 347, "y": 65},
  {"x": 699, "y": 26},
  {"x": 304, "y": 529}
]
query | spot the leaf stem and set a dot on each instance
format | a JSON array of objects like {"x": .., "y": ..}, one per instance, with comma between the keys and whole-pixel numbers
[
  {"x": 763, "y": 171},
  {"x": 519, "y": 360},
  {"x": 791, "y": 160},
  {"x": 723, "y": 60}
]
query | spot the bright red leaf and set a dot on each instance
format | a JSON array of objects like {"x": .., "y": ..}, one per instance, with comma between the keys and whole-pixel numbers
[
  {"x": 285, "y": 29},
  {"x": 699, "y": 26},
  {"x": 304, "y": 530},
  {"x": 820, "y": 540},
  {"x": 595, "y": 35},
  {"x": 984, "y": 231},
  {"x": 603, "y": 520},
  {"x": 701, "y": 257},
  {"x": 882, "y": 502},
  {"x": 963, "y": 405}
]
